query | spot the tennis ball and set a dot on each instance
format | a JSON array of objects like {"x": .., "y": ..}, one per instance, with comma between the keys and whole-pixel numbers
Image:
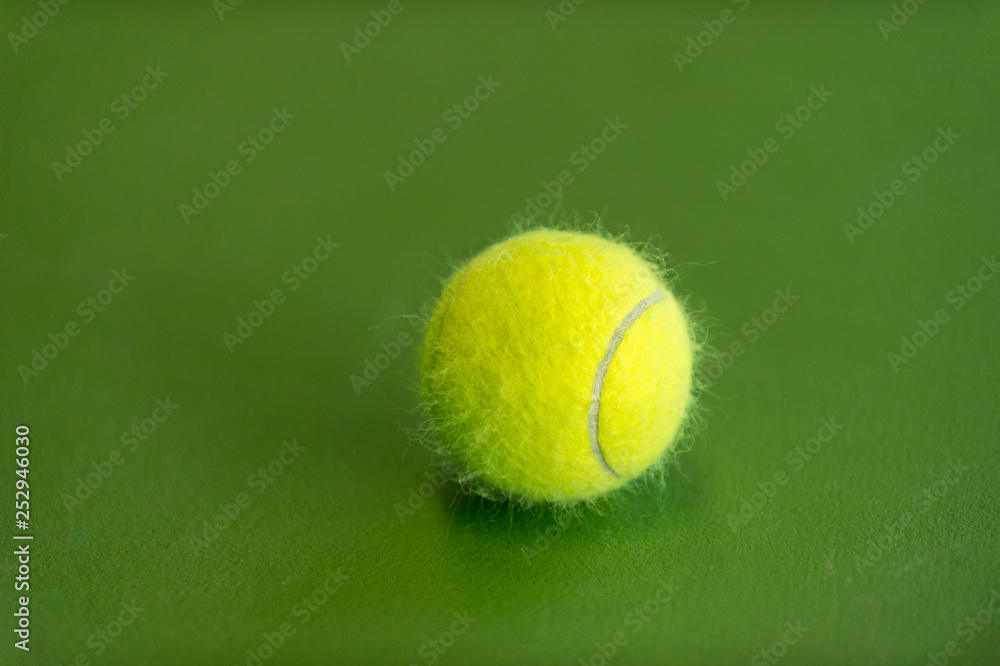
[{"x": 557, "y": 366}]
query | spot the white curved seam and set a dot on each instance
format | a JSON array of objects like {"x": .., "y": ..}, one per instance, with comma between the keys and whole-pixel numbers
[{"x": 602, "y": 372}]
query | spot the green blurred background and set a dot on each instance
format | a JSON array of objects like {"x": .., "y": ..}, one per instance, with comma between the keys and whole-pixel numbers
[{"x": 879, "y": 548}]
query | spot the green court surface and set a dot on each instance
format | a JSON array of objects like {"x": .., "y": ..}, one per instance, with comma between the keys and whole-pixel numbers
[{"x": 219, "y": 227}]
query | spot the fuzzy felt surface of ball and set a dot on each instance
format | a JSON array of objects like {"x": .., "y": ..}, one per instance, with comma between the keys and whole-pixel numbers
[{"x": 557, "y": 366}]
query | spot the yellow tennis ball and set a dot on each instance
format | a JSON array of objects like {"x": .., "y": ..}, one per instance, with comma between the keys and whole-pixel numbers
[{"x": 557, "y": 366}]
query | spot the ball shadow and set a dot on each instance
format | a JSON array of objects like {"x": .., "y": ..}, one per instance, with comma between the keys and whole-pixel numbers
[{"x": 661, "y": 495}]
